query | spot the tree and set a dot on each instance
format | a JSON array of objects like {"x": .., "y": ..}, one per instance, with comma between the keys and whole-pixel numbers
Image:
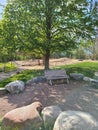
[
  {"x": 94, "y": 12},
  {"x": 47, "y": 25}
]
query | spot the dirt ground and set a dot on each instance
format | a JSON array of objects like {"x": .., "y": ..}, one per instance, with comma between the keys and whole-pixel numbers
[
  {"x": 73, "y": 96},
  {"x": 33, "y": 64},
  {"x": 46, "y": 94}
]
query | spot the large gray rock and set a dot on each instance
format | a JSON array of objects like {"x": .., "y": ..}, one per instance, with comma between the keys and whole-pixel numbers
[
  {"x": 96, "y": 75},
  {"x": 76, "y": 76},
  {"x": 29, "y": 82},
  {"x": 75, "y": 120},
  {"x": 92, "y": 82},
  {"x": 87, "y": 79},
  {"x": 23, "y": 118},
  {"x": 50, "y": 113},
  {"x": 15, "y": 86},
  {"x": 39, "y": 79}
]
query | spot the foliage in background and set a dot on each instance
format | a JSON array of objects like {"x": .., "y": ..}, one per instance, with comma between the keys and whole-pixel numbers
[
  {"x": 7, "y": 67},
  {"x": 45, "y": 26}
]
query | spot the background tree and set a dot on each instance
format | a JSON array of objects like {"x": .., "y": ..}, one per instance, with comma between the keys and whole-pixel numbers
[{"x": 46, "y": 25}]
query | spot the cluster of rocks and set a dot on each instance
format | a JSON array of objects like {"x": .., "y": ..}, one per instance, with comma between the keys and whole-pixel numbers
[
  {"x": 19, "y": 86},
  {"x": 92, "y": 81},
  {"x": 34, "y": 116}
]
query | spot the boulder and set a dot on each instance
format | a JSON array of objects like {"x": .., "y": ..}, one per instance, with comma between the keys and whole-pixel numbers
[
  {"x": 3, "y": 91},
  {"x": 15, "y": 86},
  {"x": 96, "y": 75},
  {"x": 23, "y": 118},
  {"x": 29, "y": 82},
  {"x": 92, "y": 82},
  {"x": 50, "y": 113},
  {"x": 75, "y": 120},
  {"x": 87, "y": 79},
  {"x": 39, "y": 79},
  {"x": 76, "y": 76}
]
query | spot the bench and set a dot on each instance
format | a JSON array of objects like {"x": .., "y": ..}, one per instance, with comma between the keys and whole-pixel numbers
[{"x": 56, "y": 77}]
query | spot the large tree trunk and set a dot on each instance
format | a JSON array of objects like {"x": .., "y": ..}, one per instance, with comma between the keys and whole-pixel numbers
[
  {"x": 48, "y": 33},
  {"x": 47, "y": 56}
]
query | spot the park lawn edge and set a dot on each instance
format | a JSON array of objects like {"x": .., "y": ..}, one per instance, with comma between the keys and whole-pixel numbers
[{"x": 86, "y": 68}]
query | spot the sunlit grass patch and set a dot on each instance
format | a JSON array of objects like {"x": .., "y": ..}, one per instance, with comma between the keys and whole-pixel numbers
[{"x": 86, "y": 68}]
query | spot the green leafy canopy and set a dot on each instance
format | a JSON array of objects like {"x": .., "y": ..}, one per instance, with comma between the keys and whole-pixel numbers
[{"x": 46, "y": 25}]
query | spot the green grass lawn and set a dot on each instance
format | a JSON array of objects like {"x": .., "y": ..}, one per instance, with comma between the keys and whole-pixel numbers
[{"x": 86, "y": 68}]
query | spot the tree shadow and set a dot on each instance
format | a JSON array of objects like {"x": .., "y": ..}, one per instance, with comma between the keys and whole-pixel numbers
[
  {"x": 83, "y": 99},
  {"x": 46, "y": 94}
]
